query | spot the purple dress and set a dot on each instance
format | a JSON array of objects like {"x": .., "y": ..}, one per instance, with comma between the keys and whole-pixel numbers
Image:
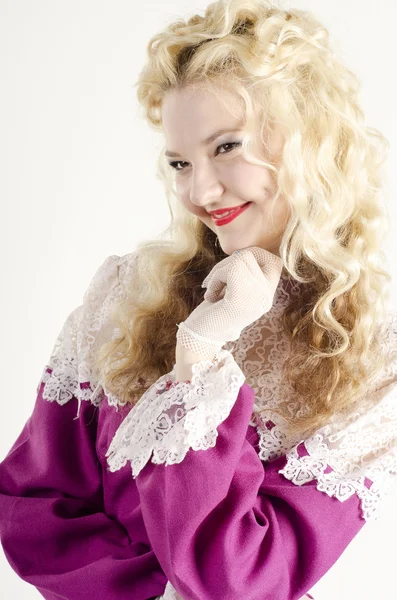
[{"x": 216, "y": 523}]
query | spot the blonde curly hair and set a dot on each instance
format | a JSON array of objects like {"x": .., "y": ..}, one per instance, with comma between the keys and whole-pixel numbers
[{"x": 280, "y": 64}]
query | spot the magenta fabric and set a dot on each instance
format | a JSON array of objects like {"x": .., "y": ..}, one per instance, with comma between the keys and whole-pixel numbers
[
  {"x": 219, "y": 525},
  {"x": 226, "y": 526},
  {"x": 58, "y": 504}
]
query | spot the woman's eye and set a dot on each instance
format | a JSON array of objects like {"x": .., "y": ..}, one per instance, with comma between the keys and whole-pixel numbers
[{"x": 181, "y": 162}]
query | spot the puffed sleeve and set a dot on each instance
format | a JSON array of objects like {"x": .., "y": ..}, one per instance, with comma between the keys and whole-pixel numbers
[
  {"x": 54, "y": 527},
  {"x": 228, "y": 515}
]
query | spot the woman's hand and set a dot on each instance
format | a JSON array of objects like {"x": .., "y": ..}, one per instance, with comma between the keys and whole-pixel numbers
[{"x": 240, "y": 289}]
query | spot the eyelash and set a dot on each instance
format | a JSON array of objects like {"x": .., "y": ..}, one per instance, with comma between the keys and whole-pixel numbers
[{"x": 233, "y": 144}]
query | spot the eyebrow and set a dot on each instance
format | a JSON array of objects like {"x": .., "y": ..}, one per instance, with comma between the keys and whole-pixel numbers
[{"x": 205, "y": 142}]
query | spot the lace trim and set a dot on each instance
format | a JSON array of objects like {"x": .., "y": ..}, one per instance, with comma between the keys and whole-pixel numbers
[
  {"x": 69, "y": 371},
  {"x": 170, "y": 593},
  {"x": 358, "y": 455},
  {"x": 167, "y": 421}
]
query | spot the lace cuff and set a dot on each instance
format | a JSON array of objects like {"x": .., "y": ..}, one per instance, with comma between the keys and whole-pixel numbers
[{"x": 169, "y": 420}]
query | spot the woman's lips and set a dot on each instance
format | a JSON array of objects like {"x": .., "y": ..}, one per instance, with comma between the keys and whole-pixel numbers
[
  {"x": 231, "y": 216},
  {"x": 221, "y": 213}
]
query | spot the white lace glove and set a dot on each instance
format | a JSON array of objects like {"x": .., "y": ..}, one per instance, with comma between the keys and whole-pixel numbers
[{"x": 240, "y": 289}]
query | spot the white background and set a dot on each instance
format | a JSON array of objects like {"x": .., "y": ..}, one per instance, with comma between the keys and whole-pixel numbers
[{"x": 78, "y": 184}]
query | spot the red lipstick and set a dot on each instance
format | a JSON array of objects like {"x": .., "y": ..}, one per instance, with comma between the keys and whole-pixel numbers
[{"x": 230, "y": 217}]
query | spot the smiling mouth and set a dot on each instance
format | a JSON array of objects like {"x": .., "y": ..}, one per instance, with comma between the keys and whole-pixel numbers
[
  {"x": 224, "y": 213},
  {"x": 230, "y": 216}
]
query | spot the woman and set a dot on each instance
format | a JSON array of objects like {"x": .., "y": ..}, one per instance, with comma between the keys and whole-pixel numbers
[{"x": 258, "y": 415}]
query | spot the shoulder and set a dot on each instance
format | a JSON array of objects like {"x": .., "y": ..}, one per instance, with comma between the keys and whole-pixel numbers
[
  {"x": 114, "y": 270},
  {"x": 389, "y": 344},
  {"x": 357, "y": 453},
  {"x": 390, "y": 337},
  {"x": 70, "y": 369}
]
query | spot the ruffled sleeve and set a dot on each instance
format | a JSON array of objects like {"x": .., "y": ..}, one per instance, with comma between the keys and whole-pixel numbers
[
  {"x": 225, "y": 523},
  {"x": 170, "y": 419},
  {"x": 54, "y": 527}
]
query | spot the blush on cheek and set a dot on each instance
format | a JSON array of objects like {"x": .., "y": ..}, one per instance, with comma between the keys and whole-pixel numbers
[{"x": 199, "y": 211}]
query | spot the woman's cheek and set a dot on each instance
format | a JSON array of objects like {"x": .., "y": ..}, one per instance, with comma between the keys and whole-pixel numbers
[{"x": 193, "y": 208}]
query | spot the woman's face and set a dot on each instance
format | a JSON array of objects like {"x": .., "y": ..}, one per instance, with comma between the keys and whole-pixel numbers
[{"x": 212, "y": 177}]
